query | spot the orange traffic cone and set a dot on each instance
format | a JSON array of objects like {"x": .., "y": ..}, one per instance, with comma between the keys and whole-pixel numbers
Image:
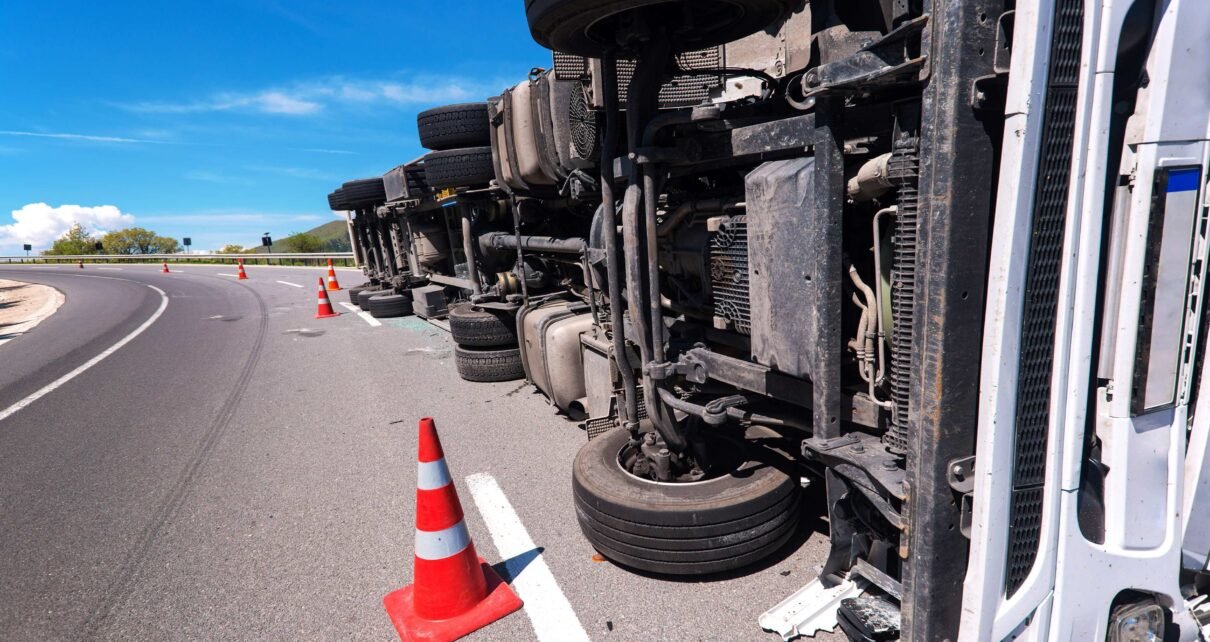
[
  {"x": 165, "y": 270},
  {"x": 333, "y": 285},
  {"x": 81, "y": 264},
  {"x": 325, "y": 306},
  {"x": 242, "y": 275},
  {"x": 454, "y": 592}
]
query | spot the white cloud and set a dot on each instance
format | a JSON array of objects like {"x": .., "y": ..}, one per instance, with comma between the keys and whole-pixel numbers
[
  {"x": 276, "y": 102},
  {"x": 81, "y": 137},
  {"x": 314, "y": 96},
  {"x": 40, "y": 224},
  {"x": 267, "y": 102}
]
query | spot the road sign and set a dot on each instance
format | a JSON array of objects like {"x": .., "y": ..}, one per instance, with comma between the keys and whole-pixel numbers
[
  {"x": 188, "y": 241},
  {"x": 28, "y": 247},
  {"x": 98, "y": 246},
  {"x": 266, "y": 241}
]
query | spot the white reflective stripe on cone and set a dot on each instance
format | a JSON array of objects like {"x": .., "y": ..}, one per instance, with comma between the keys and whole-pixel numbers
[
  {"x": 438, "y": 545},
  {"x": 431, "y": 475}
]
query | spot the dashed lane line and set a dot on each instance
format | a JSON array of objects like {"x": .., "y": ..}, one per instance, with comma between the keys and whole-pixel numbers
[
  {"x": 548, "y": 609},
  {"x": 365, "y": 316},
  {"x": 293, "y": 285}
]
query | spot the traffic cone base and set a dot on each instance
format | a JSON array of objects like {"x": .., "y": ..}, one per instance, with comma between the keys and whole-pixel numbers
[
  {"x": 243, "y": 276},
  {"x": 165, "y": 270},
  {"x": 500, "y": 601}
]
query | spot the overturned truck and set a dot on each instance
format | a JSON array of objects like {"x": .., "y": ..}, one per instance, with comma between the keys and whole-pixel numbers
[{"x": 944, "y": 259}]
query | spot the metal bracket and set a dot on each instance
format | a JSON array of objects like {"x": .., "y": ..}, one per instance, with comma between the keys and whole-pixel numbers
[
  {"x": 966, "y": 515},
  {"x": 988, "y": 92},
  {"x": 824, "y": 445},
  {"x": 961, "y": 474},
  {"x": 885, "y": 62}
]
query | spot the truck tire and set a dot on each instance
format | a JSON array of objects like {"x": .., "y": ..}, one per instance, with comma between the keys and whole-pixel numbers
[
  {"x": 363, "y": 297},
  {"x": 488, "y": 364},
  {"x": 454, "y": 127},
  {"x": 477, "y": 327},
  {"x": 467, "y": 167},
  {"x": 583, "y": 27},
  {"x": 353, "y": 292},
  {"x": 712, "y": 526},
  {"x": 365, "y": 193},
  {"x": 337, "y": 202},
  {"x": 389, "y": 306}
]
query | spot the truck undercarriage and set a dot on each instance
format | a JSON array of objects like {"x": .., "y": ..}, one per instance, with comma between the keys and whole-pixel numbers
[{"x": 756, "y": 244}]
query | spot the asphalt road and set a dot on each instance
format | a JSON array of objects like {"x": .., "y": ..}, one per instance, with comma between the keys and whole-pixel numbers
[{"x": 241, "y": 470}]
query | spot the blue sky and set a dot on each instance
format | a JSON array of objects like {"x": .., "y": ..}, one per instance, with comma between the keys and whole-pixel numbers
[{"x": 223, "y": 119}]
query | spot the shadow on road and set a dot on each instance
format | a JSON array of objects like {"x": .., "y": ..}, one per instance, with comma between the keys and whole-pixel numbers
[{"x": 510, "y": 568}]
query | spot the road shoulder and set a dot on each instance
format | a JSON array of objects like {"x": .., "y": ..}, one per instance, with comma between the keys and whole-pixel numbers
[{"x": 25, "y": 305}]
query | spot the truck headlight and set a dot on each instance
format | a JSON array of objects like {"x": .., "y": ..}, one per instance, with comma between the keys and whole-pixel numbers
[{"x": 1137, "y": 623}]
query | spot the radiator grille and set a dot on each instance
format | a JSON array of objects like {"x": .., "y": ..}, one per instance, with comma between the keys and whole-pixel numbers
[
  {"x": 904, "y": 169},
  {"x": 681, "y": 91},
  {"x": 597, "y": 426},
  {"x": 1025, "y": 526},
  {"x": 570, "y": 67},
  {"x": 729, "y": 278},
  {"x": 1036, "y": 360}
]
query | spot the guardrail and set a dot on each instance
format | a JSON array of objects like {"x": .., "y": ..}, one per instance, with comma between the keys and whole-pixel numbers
[{"x": 344, "y": 259}]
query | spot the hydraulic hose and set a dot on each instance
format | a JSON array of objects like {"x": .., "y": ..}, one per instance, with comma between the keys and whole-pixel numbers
[
  {"x": 630, "y": 406},
  {"x": 639, "y": 235}
]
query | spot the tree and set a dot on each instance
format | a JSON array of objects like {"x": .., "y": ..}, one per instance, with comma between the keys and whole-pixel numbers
[
  {"x": 302, "y": 242},
  {"x": 341, "y": 244},
  {"x": 77, "y": 240},
  {"x": 137, "y": 240},
  {"x": 232, "y": 248}
]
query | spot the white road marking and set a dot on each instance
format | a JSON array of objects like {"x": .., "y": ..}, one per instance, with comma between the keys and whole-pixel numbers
[
  {"x": 548, "y": 609},
  {"x": 225, "y": 274},
  {"x": 114, "y": 269},
  {"x": 365, "y": 316},
  {"x": 54, "y": 385},
  {"x": 48, "y": 308},
  {"x": 293, "y": 285}
]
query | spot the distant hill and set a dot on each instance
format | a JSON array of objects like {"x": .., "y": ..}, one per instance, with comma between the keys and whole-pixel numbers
[{"x": 334, "y": 235}]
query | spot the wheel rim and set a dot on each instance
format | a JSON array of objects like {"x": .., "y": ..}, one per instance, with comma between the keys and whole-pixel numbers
[{"x": 732, "y": 461}]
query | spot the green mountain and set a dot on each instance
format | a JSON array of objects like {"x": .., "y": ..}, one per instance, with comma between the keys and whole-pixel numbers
[{"x": 333, "y": 237}]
